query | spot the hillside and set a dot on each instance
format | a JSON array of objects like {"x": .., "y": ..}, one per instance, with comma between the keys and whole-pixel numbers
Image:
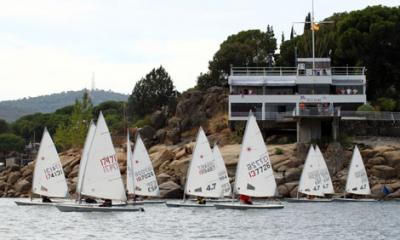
[{"x": 13, "y": 109}]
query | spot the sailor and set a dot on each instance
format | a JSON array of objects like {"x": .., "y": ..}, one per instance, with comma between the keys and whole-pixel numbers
[
  {"x": 46, "y": 199},
  {"x": 106, "y": 203},
  {"x": 245, "y": 199},
  {"x": 201, "y": 200}
]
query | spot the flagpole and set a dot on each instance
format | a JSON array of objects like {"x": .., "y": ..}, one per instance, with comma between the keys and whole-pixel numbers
[{"x": 313, "y": 38}]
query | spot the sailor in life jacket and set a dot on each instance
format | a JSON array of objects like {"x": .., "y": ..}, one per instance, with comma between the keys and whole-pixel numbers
[{"x": 245, "y": 199}]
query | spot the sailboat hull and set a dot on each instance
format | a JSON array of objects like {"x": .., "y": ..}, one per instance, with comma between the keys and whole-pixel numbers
[
  {"x": 226, "y": 200},
  {"x": 247, "y": 207},
  {"x": 38, "y": 202},
  {"x": 354, "y": 200},
  {"x": 188, "y": 205},
  {"x": 83, "y": 208},
  {"x": 306, "y": 200}
]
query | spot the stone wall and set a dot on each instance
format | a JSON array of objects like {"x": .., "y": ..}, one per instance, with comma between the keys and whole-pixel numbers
[{"x": 370, "y": 128}]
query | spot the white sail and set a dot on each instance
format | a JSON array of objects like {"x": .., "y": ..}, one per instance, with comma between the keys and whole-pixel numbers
[
  {"x": 310, "y": 180},
  {"x": 102, "y": 177},
  {"x": 84, "y": 157},
  {"x": 357, "y": 179},
  {"x": 222, "y": 173},
  {"x": 327, "y": 186},
  {"x": 129, "y": 168},
  {"x": 48, "y": 175},
  {"x": 254, "y": 174},
  {"x": 202, "y": 178},
  {"x": 144, "y": 178}
]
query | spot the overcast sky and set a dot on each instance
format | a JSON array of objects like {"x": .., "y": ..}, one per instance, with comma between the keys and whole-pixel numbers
[{"x": 49, "y": 46}]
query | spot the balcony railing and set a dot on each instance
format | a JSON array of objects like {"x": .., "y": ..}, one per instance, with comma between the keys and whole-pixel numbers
[
  {"x": 324, "y": 112},
  {"x": 293, "y": 71}
]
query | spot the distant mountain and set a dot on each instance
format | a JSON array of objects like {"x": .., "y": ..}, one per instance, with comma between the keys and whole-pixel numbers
[{"x": 13, "y": 109}]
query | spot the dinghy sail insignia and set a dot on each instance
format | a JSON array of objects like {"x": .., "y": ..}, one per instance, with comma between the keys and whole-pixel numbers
[
  {"x": 254, "y": 175},
  {"x": 102, "y": 177},
  {"x": 202, "y": 177},
  {"x": 357, "y": 179},
  {"x": 48, "y": 175}
]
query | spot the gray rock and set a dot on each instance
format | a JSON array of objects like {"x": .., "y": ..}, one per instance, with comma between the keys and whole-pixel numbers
[
  {"x": 384, "y": 172},
  {"x": 292, "y": 174},
  {"x": 23, "y": 186},
  {"x": 158, "y": 119},
  {"x": 170, "y": 189},
  {"x": 163, "y": 177},
  {"x": 13, "y": 177}
]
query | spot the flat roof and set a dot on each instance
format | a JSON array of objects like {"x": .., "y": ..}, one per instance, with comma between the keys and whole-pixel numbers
[{"x": 315, "y": 59}]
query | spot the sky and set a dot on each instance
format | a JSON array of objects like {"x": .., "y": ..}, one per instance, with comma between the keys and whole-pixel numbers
[{"x": 50, "y": 46}]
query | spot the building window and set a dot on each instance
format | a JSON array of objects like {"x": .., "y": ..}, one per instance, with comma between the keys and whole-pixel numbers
[
  {"x": 243, "y": 109},
  {"x": 349, "y": 90},
  {"x": 314, "y": 89}
]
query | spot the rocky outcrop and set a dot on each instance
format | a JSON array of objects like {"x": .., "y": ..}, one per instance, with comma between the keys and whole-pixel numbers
[{"x": 171, "y": 163}]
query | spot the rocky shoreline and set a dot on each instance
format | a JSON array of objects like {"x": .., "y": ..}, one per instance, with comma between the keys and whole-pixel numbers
[{"x": 171, "y": 163}]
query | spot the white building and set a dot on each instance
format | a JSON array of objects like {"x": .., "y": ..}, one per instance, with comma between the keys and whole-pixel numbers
[{"x": 300, "y": 94}]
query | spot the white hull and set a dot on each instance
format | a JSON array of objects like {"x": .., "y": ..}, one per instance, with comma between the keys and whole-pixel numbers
[
  {"x": 306, "y": 200},
  {"x": 354, "y": 200},
  {"x": 223, "y": 200},
  {"x": 239, "y": 206},
  {"x": 190, "y": 205},
  {"x": 153, "y": 201},
  {"x": 87, "y": 208},
  {"x": 135, "y": 203},
  {"x": 38, "y": 202}
]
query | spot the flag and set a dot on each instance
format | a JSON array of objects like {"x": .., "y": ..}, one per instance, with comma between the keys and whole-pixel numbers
[{"x": 315, "y": 26}]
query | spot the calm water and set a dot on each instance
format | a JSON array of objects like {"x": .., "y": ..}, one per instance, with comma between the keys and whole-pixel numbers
[{"x": 295, "y": 221}]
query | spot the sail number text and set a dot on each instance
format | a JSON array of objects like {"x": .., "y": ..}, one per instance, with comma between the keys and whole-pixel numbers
[{"x": 258, "y": 166}]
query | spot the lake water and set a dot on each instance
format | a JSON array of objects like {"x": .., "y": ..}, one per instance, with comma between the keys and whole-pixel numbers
[{"x": 296, "y": 221}]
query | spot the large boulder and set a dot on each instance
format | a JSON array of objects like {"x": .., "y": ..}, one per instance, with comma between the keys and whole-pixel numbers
[
  {"x": 3, "y": 186},
  {"x": 23, "y": 186},
  {"x": 291, "y": 185},
  {"x": 162, "y": 156},
  {"x": 148, "y": 135},
  {"x": 158, "y": 119},
  {"x": 13, "y": 177},
  {"x": 392, "y": 157},
  {"x": 170, "y": 189},
  {"x": 379, "y": 160},
  {"x": 283, "y": 191},
  {"x": 292, "y": 174},
  {"x": 74, "y": 172},
  {"x": 163, "y": 177},
  {"x": 384, "y": 172},
  {"x": 173, "y": 136},
  {"x": 395, "y": 194}
]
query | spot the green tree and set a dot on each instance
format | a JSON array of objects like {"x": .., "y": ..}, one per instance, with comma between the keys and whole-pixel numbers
[
  {"x": 246, "y": 48},
  {"x": 386, "y": 104},
  {"x": 4, "y": 127},
  {"x": 152, "y": 92},
  {"x": 10, "y": 142},
  {"x": 73, "y": 132}
]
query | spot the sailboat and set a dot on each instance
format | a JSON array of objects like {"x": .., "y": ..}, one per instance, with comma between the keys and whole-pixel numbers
[
  {"x": 357, "y": 180},
  {"x": 311, "y": 180},
  {"x": 202, "y": 176},
  {"x": 48, "y": 174},
  {"x": 101, "y": 174},
  {"x": 141, "y": 179},
  {"x": 222, "y": 173},
  {"x": 84, "y": 158},
  {"x": 254, "y": 174},
  {"x": 327, "y": 185}
]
